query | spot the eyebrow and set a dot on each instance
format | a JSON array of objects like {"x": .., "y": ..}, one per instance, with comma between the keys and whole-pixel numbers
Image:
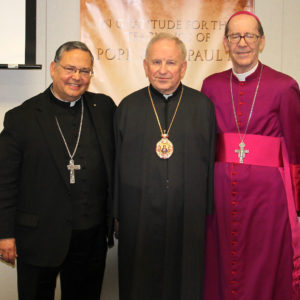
[{"x": 83, "y": 68}]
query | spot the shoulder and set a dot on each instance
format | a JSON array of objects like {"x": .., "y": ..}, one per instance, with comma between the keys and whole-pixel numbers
[
  {"x": 98, "y": 98},
  {"x": 134, "y": 98},
  {"x": 18, "y": 118},
  {"x": 216, "y": 79},
  {"x": 213, "y": 83},
  {"x": 28, "y": 105},
  {"x": 196, "y": 97},
  {"x": 277, "y": 78}
]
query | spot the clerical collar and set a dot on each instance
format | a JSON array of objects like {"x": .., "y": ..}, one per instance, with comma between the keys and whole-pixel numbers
[
  {"x": 166, "y": 96},
  {"x": 63, "y": 101},
  {"x": 243, "y": 76}
]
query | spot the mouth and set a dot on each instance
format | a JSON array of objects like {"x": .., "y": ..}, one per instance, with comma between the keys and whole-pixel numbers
[
  {"x": 162, "y": 79},
  {"x": 74, "y": 85},
  {"x": 243, "y": 53}
]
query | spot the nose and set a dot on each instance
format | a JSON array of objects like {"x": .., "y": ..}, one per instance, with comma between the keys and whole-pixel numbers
[
  {"x": 76, "y": 75},
  {"x": 163, "y": 68},
  {"x": 242, "y": 41}
]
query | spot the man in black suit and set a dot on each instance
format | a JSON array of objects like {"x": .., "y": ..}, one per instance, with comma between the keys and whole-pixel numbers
[{"x": 56, "y": 157}]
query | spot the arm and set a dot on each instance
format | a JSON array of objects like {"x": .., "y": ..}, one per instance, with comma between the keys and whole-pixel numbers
[
  {"x": 116, "y": 177},
  {"x": 290, "y": 121},
  {"x": 210, "y": 204},
  {"x": 118, "y": 145},
  {"x": 10, "y": 159}
]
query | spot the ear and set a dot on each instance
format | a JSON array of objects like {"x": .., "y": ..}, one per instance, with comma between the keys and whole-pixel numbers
[
  {"x": 262, "y": 43},
  {"x": 52, "y": 68},
  {"x": 146, "y": 67},
  {"x": 226, "y": 44}
]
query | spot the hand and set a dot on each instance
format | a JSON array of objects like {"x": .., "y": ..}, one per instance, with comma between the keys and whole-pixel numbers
[{"x": 8, "y": 250}]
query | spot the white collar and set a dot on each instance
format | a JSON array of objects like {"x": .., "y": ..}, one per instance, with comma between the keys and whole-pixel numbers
[
  {"x": 243, "y": 76},
  {"x": 71, "y": 103},
  {"x": 167, "y": 96}
]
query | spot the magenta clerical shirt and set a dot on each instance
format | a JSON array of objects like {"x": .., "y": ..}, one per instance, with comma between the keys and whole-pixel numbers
[{"x": 249, "y": 238}]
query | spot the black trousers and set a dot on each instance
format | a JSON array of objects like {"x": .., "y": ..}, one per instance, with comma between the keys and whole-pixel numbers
[{"x": 81, "y": 273}]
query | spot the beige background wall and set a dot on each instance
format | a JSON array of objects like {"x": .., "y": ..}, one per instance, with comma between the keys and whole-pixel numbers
[{"x": 58, "y": 21}]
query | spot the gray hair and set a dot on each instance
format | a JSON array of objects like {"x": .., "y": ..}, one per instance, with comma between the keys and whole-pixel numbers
[
  {"x": 170, "y": 37},
  {"x": 72, "y": 45}
]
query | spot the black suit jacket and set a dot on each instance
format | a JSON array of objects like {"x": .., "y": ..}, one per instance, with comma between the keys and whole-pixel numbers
[{"x": 35, "y": 198}]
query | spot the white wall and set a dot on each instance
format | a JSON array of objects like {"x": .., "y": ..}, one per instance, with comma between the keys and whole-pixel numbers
[
  {"x": 58, "y": 21},
  {"x": 281, "y": 22}
]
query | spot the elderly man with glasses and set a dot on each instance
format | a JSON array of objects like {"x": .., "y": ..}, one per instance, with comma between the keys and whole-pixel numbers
[
  {"x": 56, "y": 157},
  {"x": 253, "y": 238}
]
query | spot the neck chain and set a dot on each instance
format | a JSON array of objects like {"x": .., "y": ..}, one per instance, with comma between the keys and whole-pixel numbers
[
  {"x": 164, "y": 148},
  {"x": 71, "y": 166},
  {"x": 241, "y": 152}
]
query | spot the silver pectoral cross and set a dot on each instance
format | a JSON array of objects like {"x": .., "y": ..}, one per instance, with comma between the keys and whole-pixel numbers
[
  {"x": 241, "y": 152},
  {"x": 72, "y": 167}
]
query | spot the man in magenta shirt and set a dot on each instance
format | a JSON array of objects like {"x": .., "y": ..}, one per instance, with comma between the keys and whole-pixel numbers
[{"x": 253, "y": 238}]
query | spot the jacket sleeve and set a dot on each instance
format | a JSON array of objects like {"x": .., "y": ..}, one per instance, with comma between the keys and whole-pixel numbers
[
  {"x": 289, "y": 116},
  {"x": 10, "y": 164},
  {"x": 210, "y": 204}
]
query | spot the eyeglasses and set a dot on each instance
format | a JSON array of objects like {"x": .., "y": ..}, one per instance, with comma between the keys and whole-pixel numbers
[
  {"x": 69, "y": 70},
  {"x": 249, "y": 38}
]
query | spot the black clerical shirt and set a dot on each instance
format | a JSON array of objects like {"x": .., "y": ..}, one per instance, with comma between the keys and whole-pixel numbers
[{"x": 88, "y": 194}]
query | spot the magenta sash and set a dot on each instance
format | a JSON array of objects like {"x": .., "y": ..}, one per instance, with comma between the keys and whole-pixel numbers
[{"x": 263, "y": 150}]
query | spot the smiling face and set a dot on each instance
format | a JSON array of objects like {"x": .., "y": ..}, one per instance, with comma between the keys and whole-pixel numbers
[
  {"x": 69, "y": 87},
  {"x": 164, "y": 66},
  {"x": 244, "y": 56}
]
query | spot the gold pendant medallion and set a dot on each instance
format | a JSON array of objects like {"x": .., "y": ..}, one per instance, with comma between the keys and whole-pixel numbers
[{"x": 164, "y": 148}]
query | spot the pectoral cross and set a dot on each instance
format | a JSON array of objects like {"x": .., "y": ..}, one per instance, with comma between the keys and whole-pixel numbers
[
  {"x": 241, "y": 152},
  {"x": 72, "y": 169}
]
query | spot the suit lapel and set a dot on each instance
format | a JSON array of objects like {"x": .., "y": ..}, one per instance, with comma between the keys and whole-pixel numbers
[{"x": 52, "y": 136}]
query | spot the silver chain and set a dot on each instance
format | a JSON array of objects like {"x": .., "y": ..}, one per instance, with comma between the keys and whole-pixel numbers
[
  {"x": 252, "y": 106},
  {"x": 79, "y": 132}
]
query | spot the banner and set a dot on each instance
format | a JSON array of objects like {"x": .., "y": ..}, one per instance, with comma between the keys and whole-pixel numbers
[{"x": 117, "y": 32}]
